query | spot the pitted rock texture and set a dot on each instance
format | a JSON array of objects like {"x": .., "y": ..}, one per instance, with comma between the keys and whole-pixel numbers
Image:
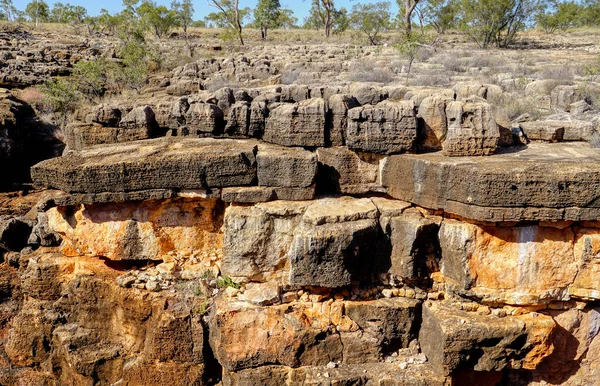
[
  {"x": 152, "y": 164},
  {"x": 537, "y": 183}
]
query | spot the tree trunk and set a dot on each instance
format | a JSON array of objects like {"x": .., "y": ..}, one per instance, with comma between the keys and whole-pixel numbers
[{"x": 409, "y": 7}]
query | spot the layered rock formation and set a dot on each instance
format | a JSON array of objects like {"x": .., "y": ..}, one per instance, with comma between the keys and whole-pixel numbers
[{"x": 323, "y": 234}]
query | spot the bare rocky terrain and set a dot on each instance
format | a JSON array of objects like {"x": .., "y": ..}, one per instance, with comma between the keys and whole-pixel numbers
[{"x": 296, "y": 213}]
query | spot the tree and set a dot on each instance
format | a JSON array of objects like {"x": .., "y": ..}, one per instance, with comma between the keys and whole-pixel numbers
[
  {"x": 322, "y": 14},
  {"x": 8, "y": 10},
  {"x": 158, "y": 18},
  {"x": 496, "y": 21},
  {"x": 371, "y": 19},
  {"x": 37, "y": 11},
  {"x": 408, "y": 6},
  {"x": 441, "y": 14},
  {"x": 287, "y": 19},
  {"x": 267, "y": 15},
  {"x": 230, "y": 10},
  {"x": 185, "y": 13},
  {"x": 557, "y": 15}
]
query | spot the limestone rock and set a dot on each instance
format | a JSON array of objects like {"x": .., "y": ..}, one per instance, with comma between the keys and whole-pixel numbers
[
  {"x": 245, "y": 336},
  {"x": 454, "y": 340},
  {"x": 332, "y": 255},
  {"x": 343, "y": 171},
  {"x": 386, "y": 128},
  {"x": 138, "y": 124},
  {"x": 472, "y": 129},
  {"x": 238, "y": 120},
  {"x": 433, "y": 124},
  {"x": 298, "y": 124},
  {"x": 392, "y": 322},
  {"x": 105, "y": 115},
  {"x": 160, "y": 163},
  {"x": 339, "y": 104},
  {"x": 285, "y": 167},
  {"x": 556, "y": 131},
  {"x": 256, "y": 239},
  {"x": 530, "y": 264},
  {"x": 413, "y": 241},
  {"x": 261, "y": 294},
  {"x": 145, "y": 230},
  {"x": 528, "y": 185},
  {"x": 204, "y": 118}
]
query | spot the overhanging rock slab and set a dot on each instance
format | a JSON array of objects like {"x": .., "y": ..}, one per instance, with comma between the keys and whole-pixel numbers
[
  {"x": 165, "y": 163},
  {"x": 543, "y": 182}
]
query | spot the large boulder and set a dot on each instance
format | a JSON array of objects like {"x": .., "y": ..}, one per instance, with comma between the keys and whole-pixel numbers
[
  {"x": 471, "y": 129},
  {"x": 456, "y": 340}
]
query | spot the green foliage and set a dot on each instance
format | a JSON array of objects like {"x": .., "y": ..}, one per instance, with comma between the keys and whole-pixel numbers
[
  {"x": 203, "y": 308},
  {"x": 559, "y": 16},
  {"x": 60, "y": 97},
  {"x": 37, "y": 11},
  {"x": 267, "y": 16},
  {"x": 496, "y": 22},
  {"x": 409, "y": 48},
  {"x": 8, "y": 10},
  {"x": 371, "y": 19},
  {"x": 185, "y": 12},
  {"x": 138, "y": 60},
  {"x": 441, "y": 14},
  {"x": 157, "y": 18},
  {"x": 225, "y": 281},
  {"x": 323, "y": 14},
  {"x": 199, "y": 24},
  {"x": 232, "y": 14}
]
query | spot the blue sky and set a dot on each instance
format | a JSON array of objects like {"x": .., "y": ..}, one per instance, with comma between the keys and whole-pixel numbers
[{"x": 300, "y": 7}]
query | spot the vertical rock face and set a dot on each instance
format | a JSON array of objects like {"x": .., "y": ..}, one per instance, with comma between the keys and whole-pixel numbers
[
  {"x": 386, "y": 128},
  {"x": 297, "y": 124},
  {"x": 341, "y": 170},
  {"x": 339, "y": 104},
  {"x": 455, "y": 339},
  {"x": 139, "y": 231}
]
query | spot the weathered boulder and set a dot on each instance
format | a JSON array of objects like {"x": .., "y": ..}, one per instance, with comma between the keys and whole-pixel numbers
[
  {"x": 285, "y": 167},
  {"x": 153, "y": 164},
  {"x": 106, "y": 115},
  {"x": 138, "y": 124},
  {"x": 471, "y": 129},
  {"x": 343, "y": 171},
  {"x": 453, "y": 340},
  {"x": 238, "y": 120},
  {"x": 386, "y": 128},
  {"x": 516, "y": 265},
  {"x": 413, "y": 242},
  {"x": 297, "y": 124},
  {"x": 204, "y": 118},
  {"x": 244, "y": 336},
  {"x": 557, "y": 131},
  {"x": 433, "y": 124},
  {"x": 339, "y": 104},
  {"x": 367, "y": 93},
  {"x": 256, "y": 240}
]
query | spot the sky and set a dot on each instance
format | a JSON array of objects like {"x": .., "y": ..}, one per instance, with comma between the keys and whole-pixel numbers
[{"x": 300, "y": 7}]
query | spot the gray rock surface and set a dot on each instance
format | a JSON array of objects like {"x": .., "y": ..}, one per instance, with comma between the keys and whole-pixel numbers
[{"x": 387, "y": 128}]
